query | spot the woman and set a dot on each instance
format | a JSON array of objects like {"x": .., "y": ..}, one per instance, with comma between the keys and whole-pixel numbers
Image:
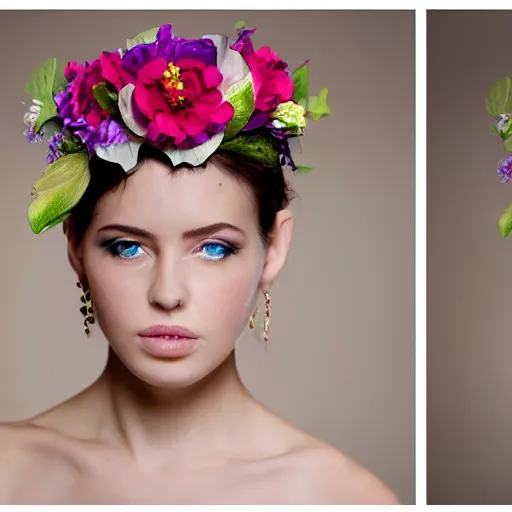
[{"x": 166, "y": 168}]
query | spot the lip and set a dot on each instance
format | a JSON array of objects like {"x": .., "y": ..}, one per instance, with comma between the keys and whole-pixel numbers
[
  {"x": 161, "y": 331},
  {"x": 168, "y": 342}
]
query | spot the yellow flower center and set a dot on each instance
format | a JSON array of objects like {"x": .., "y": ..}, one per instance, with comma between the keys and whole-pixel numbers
[{"x": 172, "y": 84}]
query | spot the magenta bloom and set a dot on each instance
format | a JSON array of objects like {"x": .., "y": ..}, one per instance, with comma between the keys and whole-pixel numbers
[
  {"x": 80, "y": 111},
  {"x": 272, "y": 82},
  {"x": 187, "y": 106},
  {"x": 505, "y": 169},
  {"x": 176, "y": 96}
]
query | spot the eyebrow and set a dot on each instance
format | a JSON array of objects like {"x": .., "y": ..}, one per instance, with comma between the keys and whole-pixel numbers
[{"x": 187, "y": 235}]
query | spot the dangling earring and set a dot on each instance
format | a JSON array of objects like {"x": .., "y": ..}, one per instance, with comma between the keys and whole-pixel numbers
[
  {"x": 266, "y": 327},
  {"x": 87, "y": 308}
]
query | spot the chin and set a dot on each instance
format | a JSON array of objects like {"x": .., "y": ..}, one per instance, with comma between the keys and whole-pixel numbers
[{"x": 167, "y": 373}]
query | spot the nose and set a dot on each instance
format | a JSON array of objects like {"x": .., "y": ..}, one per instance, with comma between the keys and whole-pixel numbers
[{"x": 167, "y": 290}]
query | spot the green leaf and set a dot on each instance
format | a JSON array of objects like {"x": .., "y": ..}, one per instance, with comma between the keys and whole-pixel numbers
[
  {"x": 60, "y": 82},
  {"x": 258, "y": 147},
  {"x": 148, "y": 36},
  {"x": 106, "y": 99},
  {"x": 303, "y": 169},
  {"x": 44, "y": 83},
  {"x": 508, "y": 144},
  {"x": 40, "y": 85},
  {"x": 48, "y": 111},
  {"x": 196, "y": 155},
  {"x": 499, "y": 99},
  {"x": 58, "y": 190},
  {"x": 318, "y": 106},
  {"x": 239, "y": 25},
  {"x": 505, "y": 222},
  {"x": 241, "y": 96},
  {"x": 301, "y": 83}
]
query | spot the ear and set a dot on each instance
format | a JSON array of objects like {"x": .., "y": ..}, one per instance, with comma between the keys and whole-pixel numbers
[
  {"x": 75, "y": 255},
  {"x": 277, "y": 250}
]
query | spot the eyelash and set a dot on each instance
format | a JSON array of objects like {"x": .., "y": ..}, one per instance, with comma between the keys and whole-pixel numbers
[{"x": 112, "y": 246}]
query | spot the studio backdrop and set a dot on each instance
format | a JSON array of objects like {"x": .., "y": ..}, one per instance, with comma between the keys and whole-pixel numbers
[
  {"x": 340, "y": 363},
  {"x": 469, "y": 282}
]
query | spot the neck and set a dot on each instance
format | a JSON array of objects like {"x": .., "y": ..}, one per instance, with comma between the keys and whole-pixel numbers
[{"x": 151, "y": 423}]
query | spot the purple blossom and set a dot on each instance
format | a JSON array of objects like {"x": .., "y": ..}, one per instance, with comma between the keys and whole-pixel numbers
[
  {"x": 54, "y": 147},
  {"x": 169, "y": 48},
  {"x": 32, "y": 136},
  {"x": 109, "y": 132},
  {"x": 243, "y": 43},
  {"x": 505, "y": 169}
]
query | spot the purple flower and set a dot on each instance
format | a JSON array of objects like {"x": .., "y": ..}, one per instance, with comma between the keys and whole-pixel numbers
[
  {"x": 505, "y": 169},
  {"x": 54, "y": 147},
  {"x": 171, "y": 49},
  {"x": 32, "y": 136},
  {"x": 108, "y": 132}
]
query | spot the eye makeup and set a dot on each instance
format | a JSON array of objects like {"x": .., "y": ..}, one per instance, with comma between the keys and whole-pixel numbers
[{"x": 210, "y": 250}]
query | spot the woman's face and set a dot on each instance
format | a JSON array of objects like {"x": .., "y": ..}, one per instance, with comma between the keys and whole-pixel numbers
[{"x": 179, "y": 249}]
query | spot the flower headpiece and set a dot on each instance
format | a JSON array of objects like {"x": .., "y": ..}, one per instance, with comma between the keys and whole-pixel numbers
[{"x": 186, "y": 97}]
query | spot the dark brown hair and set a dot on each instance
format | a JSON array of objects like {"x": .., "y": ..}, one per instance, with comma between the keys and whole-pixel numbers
[{"x": 268, "y": 185}]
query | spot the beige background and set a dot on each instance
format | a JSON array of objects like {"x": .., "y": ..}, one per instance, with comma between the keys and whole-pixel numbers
[
  {"x": 341, "y": 360},
  {"x": 469, "y": 278}
]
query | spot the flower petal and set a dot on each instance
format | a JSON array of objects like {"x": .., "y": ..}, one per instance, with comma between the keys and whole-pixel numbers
[
  {"x": 136, "y": 58},
  {"x": 167, "y": 124},
  {"x": 149, "y": 100},
  {"x": 193, "y": 124},
  {"x": 112, "y": 70},
  {"x": 165, "y": 45},
  {"x": 153, "y": 133},
  {"x": 198, "y": 49},
  {"x": 152, "y": 72},
  {"x": 212, "y": 77},
  {"x": 211, "y": 99},
  {"x": 190, "y": 64},
  {"x": 223, "y": 114},
  {"x": 193, "y": 87}
]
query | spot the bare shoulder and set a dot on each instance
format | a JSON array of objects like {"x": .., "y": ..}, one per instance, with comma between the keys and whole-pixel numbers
[
  {"x": 16, "y": 445},
  {"x": 31, "y": 453},
  {"x": 333, "y": 478}
]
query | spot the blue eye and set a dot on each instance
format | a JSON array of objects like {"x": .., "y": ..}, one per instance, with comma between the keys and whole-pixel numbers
[
  {"x": 126, "y": 249},
  {"x": 214, "y": 251}
]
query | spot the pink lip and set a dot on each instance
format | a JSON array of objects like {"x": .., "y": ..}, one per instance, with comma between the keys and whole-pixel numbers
[
  {"x": 168, "y": 342},
  {"x": 156, "y": 331}
]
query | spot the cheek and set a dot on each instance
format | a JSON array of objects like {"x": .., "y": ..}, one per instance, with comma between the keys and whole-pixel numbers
[
  {"x": 116, "y": 296},
  {"x": 225, "y": 298}
]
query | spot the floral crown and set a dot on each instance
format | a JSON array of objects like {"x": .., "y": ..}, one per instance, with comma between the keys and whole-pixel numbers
[{"x": 185, "y": 97}]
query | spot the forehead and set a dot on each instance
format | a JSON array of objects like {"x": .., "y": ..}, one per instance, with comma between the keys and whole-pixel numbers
[{"x": 186, "y": 199}]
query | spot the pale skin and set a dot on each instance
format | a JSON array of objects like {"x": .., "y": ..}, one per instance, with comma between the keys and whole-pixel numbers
[{"x": 180, "y": 431}]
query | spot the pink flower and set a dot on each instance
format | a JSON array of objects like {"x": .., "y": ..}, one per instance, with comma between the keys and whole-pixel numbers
[
  {"x": 272, "y": 83},
  {"x": 80, "y": 110},
  {"x": 113, "y": 71},
  {"x": 80, "y": 93},
  {"x": 181, "y": 101}
]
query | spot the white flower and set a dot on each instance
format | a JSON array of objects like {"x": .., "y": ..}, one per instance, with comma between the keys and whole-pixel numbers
[{"x": 30, "y": 118}]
